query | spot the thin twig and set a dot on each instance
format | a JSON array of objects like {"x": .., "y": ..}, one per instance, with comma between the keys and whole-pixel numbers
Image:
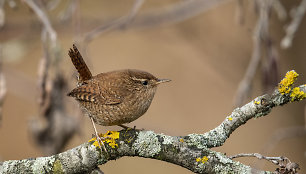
[
  {"x": 68, "y": 12},
  {"x": 260, "y": 33},
  {"x": 285, "y": 165},
  {"x": 279, "y": 9},
  {"x": 136, "y": 7},
  {"x": 43, "y": 18},
  {"x": 121, "y": 22},
  {"x": 51, "y": 5},
  {"x": 42, "y": 80},
  {"x": 2, "y": 13},
  {"x": 274, "y": 160},
  {"x": 279, "y": 136},
  {"x": 169, "y": 15},
  {"x": 294, "y": 25},
  {"x": 176, "y": 13},
  {"x": 2, "y": 86},
  {"x": 59, "y": 129}
]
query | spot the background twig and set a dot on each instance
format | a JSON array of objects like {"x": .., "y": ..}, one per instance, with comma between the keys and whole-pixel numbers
[
  {"x": 2, "y": 86},
  {"x": 297, "y": 16},
  {"x": 60, "y": 127}
]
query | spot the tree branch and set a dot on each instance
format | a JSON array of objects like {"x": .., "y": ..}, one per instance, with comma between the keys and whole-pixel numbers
[
  {"x": 190, "y": 151},
  {"x": 147, "y": 144}
]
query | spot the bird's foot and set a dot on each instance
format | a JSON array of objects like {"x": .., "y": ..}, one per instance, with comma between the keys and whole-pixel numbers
[{"x": 129, "y": 128}]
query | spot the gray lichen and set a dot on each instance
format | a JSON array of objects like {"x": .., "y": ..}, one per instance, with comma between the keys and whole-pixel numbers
[
  {"x": 40, "y": 163},
  {"x": 167, "y": 139},
  {"x": 147, "y": 144},
  {"x": 124, "y": 148}
]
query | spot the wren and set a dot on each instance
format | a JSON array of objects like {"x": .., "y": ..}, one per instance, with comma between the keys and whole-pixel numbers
[{"x": 113, "y": 98}]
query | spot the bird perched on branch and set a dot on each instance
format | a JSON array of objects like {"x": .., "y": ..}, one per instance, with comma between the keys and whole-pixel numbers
[{"x": 113, "y": 98}]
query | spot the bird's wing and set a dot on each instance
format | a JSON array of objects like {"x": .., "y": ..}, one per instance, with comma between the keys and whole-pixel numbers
[{"x": 92, "y": 93}]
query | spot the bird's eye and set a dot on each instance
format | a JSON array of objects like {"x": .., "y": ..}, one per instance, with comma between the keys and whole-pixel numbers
[{"x": 145, "y": 82}]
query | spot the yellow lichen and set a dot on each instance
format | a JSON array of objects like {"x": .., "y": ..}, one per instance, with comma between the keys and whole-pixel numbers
[
  {"x": 202, "y": 160},
  {"x": 297, "y": 94},
  {"x": 57, "y": 167},
  {"x": 284, "y": 87},
  {"x": 230, "y": 118},
  {"x": 181, "y": 140},
  {"x": 110, "y": 138},
  {"x": 256, "y": 102}
]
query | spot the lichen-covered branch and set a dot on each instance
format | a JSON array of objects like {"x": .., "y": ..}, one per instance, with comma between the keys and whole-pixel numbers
[
  {"x": 147, "y": 144},
  {"x": 191, "y": 151},
  {"x": 258, "y": 107}
]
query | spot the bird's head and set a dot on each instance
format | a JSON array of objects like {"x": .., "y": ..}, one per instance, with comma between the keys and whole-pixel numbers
[{"x": 144, "y": 81}]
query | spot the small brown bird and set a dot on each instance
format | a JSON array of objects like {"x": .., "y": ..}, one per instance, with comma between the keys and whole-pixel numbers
[
  {"x": 117, "y": 97},
  {"x": 113, "y": 98}
]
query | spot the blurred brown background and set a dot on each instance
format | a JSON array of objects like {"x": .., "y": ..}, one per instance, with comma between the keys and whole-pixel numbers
[{"x": 206, "y": 56}]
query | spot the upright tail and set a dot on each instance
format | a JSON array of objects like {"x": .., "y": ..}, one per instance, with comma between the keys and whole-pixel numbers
[{"x": 79, "y": 64}]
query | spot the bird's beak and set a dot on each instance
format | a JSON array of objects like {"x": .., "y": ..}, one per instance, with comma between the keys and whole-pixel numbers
[{"x": 162, "y": 81}]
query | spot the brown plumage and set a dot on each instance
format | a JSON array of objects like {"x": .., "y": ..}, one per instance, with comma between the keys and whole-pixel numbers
[{"x": 113, "y": 98}]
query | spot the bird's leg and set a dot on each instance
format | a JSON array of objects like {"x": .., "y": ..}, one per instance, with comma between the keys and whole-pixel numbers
[{"x": 97, "y": 136}]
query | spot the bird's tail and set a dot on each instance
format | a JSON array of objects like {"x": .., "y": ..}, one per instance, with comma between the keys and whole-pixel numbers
[{"x": 79, "y": 64}]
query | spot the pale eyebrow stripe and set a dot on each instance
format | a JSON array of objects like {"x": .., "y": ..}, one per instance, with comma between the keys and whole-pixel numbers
[{"x": 134, "y": 78}]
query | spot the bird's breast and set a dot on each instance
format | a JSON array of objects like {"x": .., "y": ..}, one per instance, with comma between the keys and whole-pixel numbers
[{"x": 132, "y": 107}]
